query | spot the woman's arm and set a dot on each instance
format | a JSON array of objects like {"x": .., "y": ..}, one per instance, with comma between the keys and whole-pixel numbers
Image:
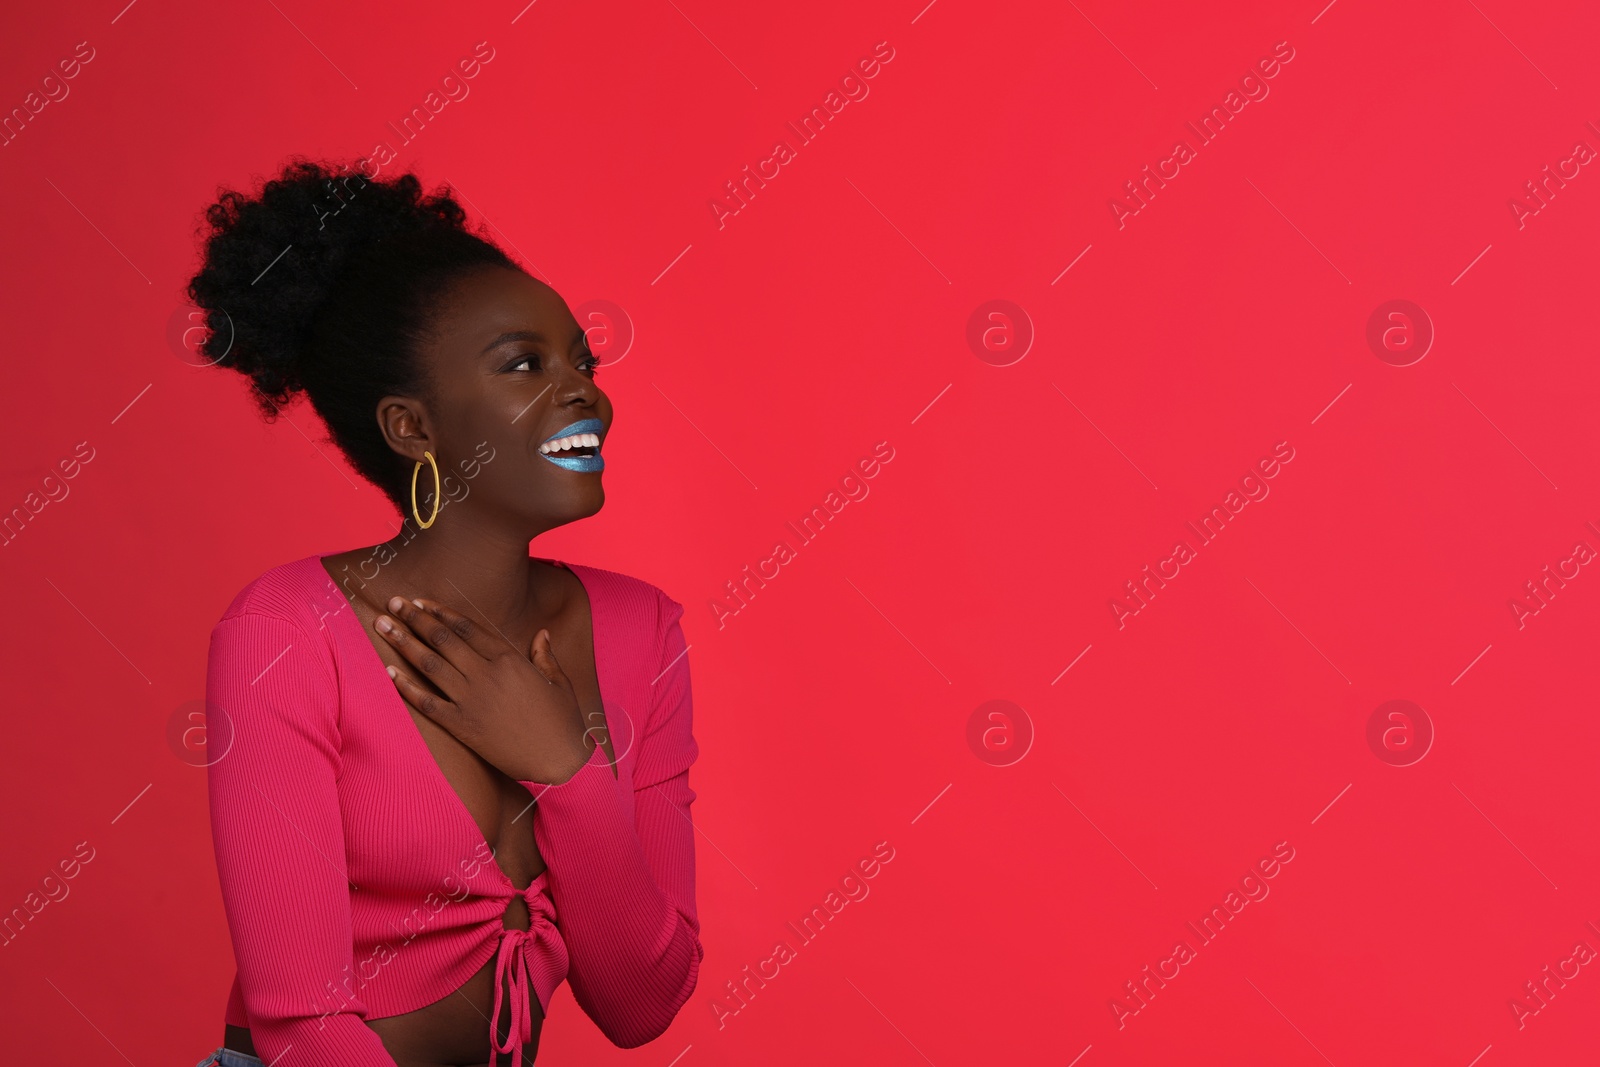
[
  {"x": 621, "y": 861},
  {"x": 279, "y": 839}
]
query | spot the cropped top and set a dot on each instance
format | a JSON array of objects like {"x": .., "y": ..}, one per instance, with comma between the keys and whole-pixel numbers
[{"x": 357, "y": 884}]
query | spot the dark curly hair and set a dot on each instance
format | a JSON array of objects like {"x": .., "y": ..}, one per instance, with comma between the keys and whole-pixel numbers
[{"x": 327, "y": 283}]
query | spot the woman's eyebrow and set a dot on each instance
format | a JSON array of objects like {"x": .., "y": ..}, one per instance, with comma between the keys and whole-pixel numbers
[
  {"x": 529, "y": 335},
  {"x": 512, "y": 335}
]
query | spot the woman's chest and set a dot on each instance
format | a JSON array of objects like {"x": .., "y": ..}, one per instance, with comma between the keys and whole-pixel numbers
[{"x": 414, "y": 789}]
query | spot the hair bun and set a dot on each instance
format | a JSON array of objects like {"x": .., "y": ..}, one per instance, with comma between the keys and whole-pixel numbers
[{"x": 272, "y": 260}]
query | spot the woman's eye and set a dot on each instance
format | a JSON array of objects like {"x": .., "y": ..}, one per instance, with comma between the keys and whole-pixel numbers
[{"x": 589, "y": 363}]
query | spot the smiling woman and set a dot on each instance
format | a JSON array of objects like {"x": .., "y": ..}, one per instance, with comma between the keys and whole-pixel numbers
[{"x": 378, "y": 751}]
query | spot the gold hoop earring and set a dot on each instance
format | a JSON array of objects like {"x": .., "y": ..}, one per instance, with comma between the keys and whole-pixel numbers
[{"x": 436, "y": 491}]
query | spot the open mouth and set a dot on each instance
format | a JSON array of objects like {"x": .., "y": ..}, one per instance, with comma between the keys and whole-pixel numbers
[
  {"x": 576, "y": 447},
  {"x": 582, "y": 444}
]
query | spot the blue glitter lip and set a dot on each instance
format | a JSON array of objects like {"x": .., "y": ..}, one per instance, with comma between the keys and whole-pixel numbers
[{"x": 582, "y": 464}]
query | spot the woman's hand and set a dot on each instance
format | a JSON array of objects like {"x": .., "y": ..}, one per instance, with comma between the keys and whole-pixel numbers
[{"x": 521, "y": 716}]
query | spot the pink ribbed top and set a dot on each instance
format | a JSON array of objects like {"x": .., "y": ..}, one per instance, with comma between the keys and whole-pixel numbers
[{"x": 357, "y": 884}]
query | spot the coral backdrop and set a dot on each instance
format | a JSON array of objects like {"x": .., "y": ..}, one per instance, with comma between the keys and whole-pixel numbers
[{"x": 1131, "y": 470}]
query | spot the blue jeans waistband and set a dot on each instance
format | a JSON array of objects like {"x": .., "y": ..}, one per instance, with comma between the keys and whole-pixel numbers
[{"x": 226, "y": 1057}]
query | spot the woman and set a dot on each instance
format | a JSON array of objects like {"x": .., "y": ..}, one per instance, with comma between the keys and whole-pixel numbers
[{"x": 451, "y": 774}]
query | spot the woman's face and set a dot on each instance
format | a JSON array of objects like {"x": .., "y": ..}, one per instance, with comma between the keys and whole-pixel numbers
[{"x": 512, "y": 372}]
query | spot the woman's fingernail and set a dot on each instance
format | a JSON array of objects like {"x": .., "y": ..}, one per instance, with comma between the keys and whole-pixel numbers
[
  {"x": 417, "y": 602},
  {"x": 396, "y": 603},
  {"x": 393, "y": 674},
  {"x": 384, "y": 624}
]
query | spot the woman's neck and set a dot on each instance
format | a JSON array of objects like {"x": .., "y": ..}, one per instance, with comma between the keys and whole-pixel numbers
[{"x": 481, "y": 572}]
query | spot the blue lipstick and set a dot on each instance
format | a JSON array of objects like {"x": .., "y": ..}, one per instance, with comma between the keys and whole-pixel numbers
[{"x": 567, "y": 459}]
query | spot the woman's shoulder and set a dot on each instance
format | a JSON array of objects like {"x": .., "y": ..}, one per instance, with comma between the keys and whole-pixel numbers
[
  {"x": 294, "y": 592},
  {"x": 614, "y": 586},
  {"x": 627, "y": 597}
]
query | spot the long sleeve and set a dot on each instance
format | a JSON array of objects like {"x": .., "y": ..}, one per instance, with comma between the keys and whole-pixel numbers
[
  {"x": 278, "y": 833},
  {"x": 621, "y": 862}
]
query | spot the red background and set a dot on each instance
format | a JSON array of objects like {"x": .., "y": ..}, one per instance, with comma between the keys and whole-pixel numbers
[{"x": 831, "y": 313}]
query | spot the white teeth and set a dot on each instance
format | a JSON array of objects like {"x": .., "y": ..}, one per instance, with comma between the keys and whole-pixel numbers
[{"x": 575, "y": 441}]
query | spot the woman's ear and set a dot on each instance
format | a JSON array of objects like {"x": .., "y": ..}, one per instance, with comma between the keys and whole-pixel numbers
[{"x": 404, "y": 424}]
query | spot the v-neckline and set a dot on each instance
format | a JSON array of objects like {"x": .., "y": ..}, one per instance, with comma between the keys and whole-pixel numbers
[{"x": 427, "y": 753}]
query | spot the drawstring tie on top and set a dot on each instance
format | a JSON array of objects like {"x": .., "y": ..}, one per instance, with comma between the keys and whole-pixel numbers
[{"x": 536, "y": 956}]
